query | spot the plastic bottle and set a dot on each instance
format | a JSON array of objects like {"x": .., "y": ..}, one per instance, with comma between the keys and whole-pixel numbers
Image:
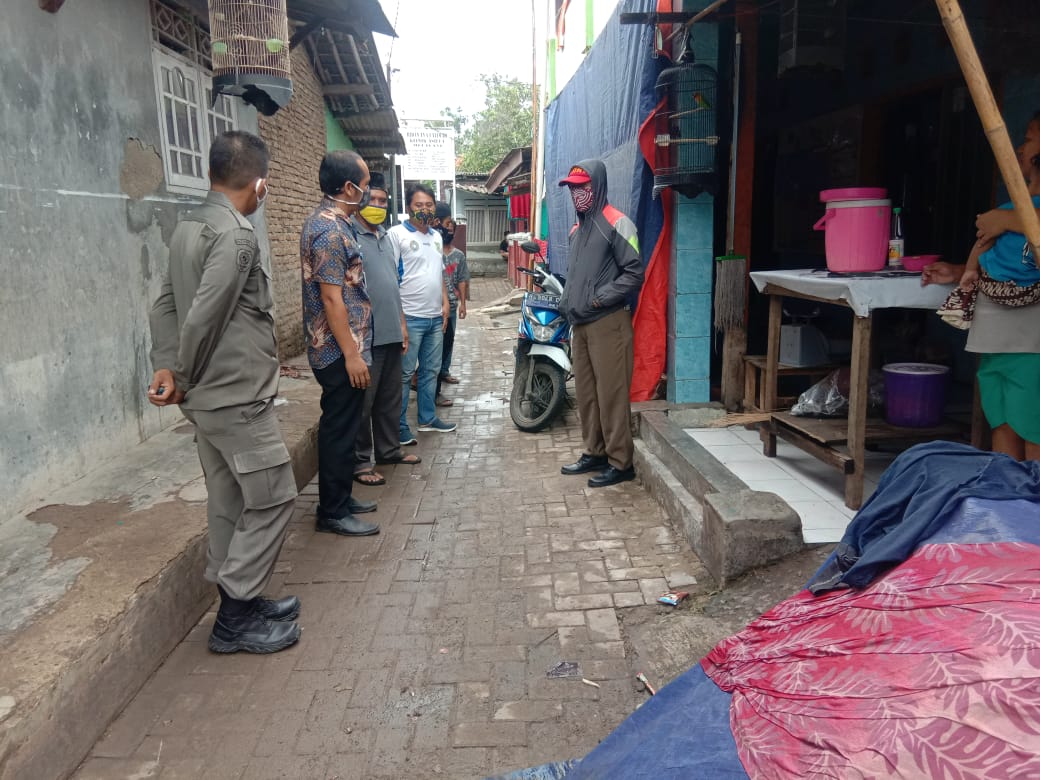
[{"x": 896, "y": 244}]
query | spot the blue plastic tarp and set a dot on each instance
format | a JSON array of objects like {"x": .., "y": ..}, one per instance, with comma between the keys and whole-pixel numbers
[
  {"x": 598, "y": 114},
  {"x": 686, "y": 730}
]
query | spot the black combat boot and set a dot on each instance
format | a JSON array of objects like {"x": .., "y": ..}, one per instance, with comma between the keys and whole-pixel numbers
[
  {"x": 273, "y": 609},
  {"x": 241, "y": 626},
  {"x": 281, "y": 610}
]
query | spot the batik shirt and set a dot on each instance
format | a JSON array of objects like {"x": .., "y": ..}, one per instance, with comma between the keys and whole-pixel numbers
[{"x": 330, "y": 254}]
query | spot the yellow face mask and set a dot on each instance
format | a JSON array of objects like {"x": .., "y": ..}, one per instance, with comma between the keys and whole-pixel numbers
[{"x": 373, "y": 215}]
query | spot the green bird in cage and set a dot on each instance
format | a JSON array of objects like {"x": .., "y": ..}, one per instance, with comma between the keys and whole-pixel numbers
[{"x": 700, "y": 101}]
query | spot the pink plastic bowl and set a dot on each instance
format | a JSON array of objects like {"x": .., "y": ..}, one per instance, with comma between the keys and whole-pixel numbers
[
  {"x": 854, "y": 193},
  {"x": 916, "y": 263}
]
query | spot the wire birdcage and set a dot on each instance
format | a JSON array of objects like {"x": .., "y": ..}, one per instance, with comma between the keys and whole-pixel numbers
[
  {"x": 687, "y": 133},
  {"x": 250, "y": 51}
]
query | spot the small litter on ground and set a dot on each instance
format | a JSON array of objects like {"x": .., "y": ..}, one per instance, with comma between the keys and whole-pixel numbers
[
  {"x": 564, "y": 670},
  {"x": 672, "y": 597}
]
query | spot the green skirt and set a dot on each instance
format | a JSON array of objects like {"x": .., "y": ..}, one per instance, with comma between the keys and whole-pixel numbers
[{"x": 1009, "y": 387}]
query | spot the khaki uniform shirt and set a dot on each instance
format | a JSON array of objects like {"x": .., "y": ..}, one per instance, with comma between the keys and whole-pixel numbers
[{"x": 212, "y": 324}]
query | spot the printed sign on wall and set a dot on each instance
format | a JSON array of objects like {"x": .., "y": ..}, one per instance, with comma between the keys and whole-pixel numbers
[{"x": 431, "y": 154}]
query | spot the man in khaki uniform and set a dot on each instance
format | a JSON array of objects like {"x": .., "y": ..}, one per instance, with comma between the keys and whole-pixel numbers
[{"x": 214, "y": 354}]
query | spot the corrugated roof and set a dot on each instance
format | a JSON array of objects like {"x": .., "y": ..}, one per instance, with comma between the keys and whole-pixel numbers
[
  {"x": 338, "y": 36},
  {"x": 510, "y": 165}
]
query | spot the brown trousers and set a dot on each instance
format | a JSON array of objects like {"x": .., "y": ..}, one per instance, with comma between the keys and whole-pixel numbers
[{"x": 601, "y": 353}]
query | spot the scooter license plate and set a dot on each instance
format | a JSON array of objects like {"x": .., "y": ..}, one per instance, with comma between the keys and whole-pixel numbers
[{"x": 543, "y": 299}]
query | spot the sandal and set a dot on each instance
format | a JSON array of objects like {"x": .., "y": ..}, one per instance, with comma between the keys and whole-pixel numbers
[
  {"x": 373, "y": 479},
  {"x": 443, "y": 401},
  {"x": 402, "y": 460},
  {"x": 449, "y": 379}
]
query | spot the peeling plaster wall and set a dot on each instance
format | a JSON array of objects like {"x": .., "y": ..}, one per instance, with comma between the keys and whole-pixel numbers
[{"x": 82, "y": 260}]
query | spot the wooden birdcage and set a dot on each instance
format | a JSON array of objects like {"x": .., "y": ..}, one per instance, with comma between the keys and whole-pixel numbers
[
  {"x": 687, "y": 133},
  {"x": 250, "y": 50}
]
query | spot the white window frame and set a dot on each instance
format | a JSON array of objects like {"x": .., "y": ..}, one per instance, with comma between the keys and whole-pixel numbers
[{"x": 225, "y": 112}]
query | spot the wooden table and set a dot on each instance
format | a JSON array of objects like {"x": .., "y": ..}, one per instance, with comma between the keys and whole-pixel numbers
[{"x": 821, "y": 438}]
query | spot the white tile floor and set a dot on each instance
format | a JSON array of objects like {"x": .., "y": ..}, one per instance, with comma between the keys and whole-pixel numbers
[{"x": 813, "y": 489}]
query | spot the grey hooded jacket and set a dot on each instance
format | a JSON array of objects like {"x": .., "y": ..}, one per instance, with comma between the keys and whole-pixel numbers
[{"x": 603, "y": 260}]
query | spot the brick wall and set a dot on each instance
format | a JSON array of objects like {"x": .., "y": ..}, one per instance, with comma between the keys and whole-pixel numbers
[{"x": 296, "y": 137}]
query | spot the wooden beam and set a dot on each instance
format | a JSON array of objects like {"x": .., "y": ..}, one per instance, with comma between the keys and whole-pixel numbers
[
  {"x": 697, "y": 17},
  {"x": 305, "y": 32},
  {"x": 347, "y": 90},
  {"x": 657, "y": 18}
]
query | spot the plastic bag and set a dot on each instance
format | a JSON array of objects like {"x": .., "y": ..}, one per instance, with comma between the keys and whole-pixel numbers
[{"x": 830, "y": 396}]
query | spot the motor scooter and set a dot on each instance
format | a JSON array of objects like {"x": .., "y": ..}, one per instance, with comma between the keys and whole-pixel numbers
[{"x": 543, "y": 351}]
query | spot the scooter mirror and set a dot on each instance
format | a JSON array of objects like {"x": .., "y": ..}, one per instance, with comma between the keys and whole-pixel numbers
[{"x": 531, "y": 248}]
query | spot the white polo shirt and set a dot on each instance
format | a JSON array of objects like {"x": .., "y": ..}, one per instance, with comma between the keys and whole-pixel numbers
[{"x": 419, "y": 268}]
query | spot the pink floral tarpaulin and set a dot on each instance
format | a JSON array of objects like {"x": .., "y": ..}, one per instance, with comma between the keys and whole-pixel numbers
[{"x": 933, "y": 671}]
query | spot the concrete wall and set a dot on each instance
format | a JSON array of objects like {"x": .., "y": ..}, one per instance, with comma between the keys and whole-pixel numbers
[
  {"x": 85, "y": 221},
  {"x": 297, "y": 139}
]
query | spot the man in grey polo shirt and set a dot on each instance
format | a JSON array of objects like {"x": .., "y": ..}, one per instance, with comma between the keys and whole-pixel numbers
[{"x": 382, "y": 407}]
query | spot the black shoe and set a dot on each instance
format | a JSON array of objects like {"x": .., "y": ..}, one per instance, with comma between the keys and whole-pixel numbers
[
  {"x": 358, "y": 507},
  {"x": 251, "y": 632},
  {"x": 585, "y": 464},
  {"x": 348, "y": 525},
  {"x": 280, "y": 610},
  {"x": 611, "y": 476}
]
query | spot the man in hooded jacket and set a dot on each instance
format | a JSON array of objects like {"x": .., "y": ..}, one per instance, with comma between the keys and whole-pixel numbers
[{"x": 603, "y": 269}]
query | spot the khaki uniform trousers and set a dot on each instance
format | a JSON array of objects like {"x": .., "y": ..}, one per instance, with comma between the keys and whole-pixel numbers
[
  {"x": 252, "y": 493},
  {"x": 601, "y": 353}
]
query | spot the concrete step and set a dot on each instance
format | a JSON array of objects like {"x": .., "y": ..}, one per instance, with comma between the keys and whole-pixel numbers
[
  {"x": 102, "y": 582},
  {"x": 732, "y": 528}
]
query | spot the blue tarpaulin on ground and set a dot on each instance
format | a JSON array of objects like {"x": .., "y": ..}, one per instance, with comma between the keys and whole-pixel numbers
[
  {"x": 805, "y": 689},
  {"x": 598, "y": 114}
]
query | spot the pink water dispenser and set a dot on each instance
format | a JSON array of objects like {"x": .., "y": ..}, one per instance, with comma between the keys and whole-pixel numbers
[{"x": 857, "y": 225}]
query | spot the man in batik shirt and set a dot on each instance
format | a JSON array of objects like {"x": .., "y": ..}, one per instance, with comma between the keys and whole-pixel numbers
[{"x": 337, "y": 320}]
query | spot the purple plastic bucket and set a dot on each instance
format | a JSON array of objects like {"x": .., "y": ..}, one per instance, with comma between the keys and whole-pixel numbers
[{"x": 915, "y": 394}]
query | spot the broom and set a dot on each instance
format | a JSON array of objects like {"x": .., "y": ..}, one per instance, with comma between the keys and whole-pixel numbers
[{"x": 730, "y": 291}]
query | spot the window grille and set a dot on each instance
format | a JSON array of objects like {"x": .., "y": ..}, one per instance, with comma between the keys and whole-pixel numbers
[
  {"x": 181, "y": 32},
  {"x": 188, "y": 116}
]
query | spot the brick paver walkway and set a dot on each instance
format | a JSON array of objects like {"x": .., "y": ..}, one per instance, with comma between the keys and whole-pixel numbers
[{"x": 425, "y": 649}]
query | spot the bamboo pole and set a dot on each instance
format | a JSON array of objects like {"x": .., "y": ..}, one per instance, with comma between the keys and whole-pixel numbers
[
  {"x": 533, "y": 218},
  {"x": 992, "y": 121}
]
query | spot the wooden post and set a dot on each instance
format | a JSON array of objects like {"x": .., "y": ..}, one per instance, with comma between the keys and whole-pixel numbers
[
  {"x": 859, "y": 395},
  {"x": 734, "y": 345},
  {"x": 769, "y": 376},
  {"x": 992, "y": 121}
]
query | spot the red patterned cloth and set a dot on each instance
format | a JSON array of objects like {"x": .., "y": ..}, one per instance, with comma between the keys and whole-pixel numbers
[{"x": 933, "y": 671}]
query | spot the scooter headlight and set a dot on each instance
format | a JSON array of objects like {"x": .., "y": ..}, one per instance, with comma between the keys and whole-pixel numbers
[
  {"x": 544, "y": 324},
  {"x": 543, "y": 332}
]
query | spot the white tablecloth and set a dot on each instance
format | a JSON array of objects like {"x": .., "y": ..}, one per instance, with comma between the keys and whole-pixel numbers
[{"x": 863, "y": 293}]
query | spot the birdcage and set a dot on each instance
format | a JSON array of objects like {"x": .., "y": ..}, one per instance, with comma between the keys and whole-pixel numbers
[
  {"x": 250, "y": 48},
  {"x": 812, "y": 35},
  {"x": 686, "y": 133}
]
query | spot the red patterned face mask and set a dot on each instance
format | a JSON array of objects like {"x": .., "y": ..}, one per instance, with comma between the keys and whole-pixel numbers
[{"x": 582, "y": 197}]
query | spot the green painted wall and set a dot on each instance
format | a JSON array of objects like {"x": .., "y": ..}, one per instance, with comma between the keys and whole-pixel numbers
[{"x": 335, "y": 138}]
